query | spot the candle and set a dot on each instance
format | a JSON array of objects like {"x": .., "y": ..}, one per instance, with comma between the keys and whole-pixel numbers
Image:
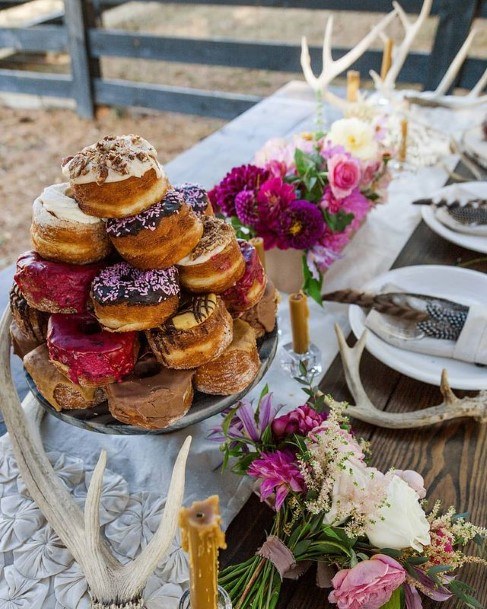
[
  {"x": 353, "y": 85},
  {"x": 258, "y": 243},
  {"x": 201, "y": 538},
  {"x": 298, "y": 308},
  {"x": 386, "y": 57},
  {"x": 403, "y": 147}
]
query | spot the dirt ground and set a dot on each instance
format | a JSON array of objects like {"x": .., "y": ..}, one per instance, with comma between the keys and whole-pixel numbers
[{"x": 32, "y": 141}]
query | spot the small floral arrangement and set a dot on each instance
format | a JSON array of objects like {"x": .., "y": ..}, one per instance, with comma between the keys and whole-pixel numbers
[
  {"x": 311, "y": 193},
  {"x": 374, "y": 539}
]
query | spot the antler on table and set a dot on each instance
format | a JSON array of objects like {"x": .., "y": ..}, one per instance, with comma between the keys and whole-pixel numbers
[
  {"x": 452, "y": 406},
  {"x": 334, "y": 67},
  {"x": 111, "y": 584}
]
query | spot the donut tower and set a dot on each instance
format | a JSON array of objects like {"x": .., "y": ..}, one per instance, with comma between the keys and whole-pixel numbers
[{"x": 135, "y": 293}]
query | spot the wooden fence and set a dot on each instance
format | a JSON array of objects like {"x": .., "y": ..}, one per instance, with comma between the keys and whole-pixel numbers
[{"x": 86, "y": 44}]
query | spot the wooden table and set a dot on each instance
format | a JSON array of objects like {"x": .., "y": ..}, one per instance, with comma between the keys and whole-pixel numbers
[{"x": 451, "y": 457}]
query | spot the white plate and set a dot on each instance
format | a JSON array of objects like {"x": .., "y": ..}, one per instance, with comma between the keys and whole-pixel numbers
[
  {"x": 475, "y": 145},
  {"x": 461, "y": 285},
  {"x": 475, "y": 243}
]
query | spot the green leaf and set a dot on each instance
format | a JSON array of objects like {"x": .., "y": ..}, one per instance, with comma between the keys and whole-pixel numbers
[
  {"x": 432, "y": 571},
  {"x": 395, "y": 602},
  {"x": 418, "y": 560},
  {"x": 338, "y": 222},
  {"x": 312, "y": 286},
  {"x": 391, "y": 552},
  {"x": 462, "y": 591}
]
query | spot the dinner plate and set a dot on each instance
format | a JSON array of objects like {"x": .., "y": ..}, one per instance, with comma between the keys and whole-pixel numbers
[
  {"x": 460, "y": 285},
  {"x": 476, "y": 243},
  {"x": 475, "y": 145},
  {"x": 204, "y": 406}
]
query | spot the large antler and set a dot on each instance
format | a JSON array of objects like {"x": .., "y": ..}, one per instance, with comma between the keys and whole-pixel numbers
[
  {"x": 411, "y": 30},
  {"x": 452, "y": 407},
  {"x": 334, "y": 67},
  {"x": 111, "y": 584}
]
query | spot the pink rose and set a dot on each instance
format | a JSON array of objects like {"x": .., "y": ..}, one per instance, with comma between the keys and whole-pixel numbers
[
  {"x": 369, "y": 171},
  {"x": 344, "y": 174},
  {"x": 368, "y": 585}
]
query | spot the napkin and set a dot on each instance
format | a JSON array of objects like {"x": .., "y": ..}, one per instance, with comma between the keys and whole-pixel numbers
[{"x": 461, "y": 194}]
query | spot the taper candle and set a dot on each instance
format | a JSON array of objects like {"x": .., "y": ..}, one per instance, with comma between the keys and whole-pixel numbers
[
  {"x": 299, "y": 311},
  {"x": 386, "y": 57},
  {"x": 202, "y": 537},
  {"x": 403, "y": 146},
  {"x": 353, "y": 85},
  {"x": 258, "y": 243}
]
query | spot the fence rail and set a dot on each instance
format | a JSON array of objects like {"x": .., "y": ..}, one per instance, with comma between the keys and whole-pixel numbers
[{"x": 87, "y": 44}]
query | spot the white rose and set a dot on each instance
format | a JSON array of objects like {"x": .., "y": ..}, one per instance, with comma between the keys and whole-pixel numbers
[
  {"x": 356, "y": 136},
  {"x": 401, "y": 523}
]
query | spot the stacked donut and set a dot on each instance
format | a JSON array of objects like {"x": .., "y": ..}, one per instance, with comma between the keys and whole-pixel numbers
[{"x": 135, "y": 292}]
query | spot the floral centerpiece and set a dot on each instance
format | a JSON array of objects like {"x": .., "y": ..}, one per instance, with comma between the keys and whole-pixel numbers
[
  {"x": 375, "y": 540},
  {"x": 308, "y": 194}
]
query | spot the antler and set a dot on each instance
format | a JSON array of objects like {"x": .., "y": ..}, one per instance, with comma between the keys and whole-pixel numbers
[
  {"x": 411, "y": 29},
  {"x": 111, "y": 584},
  {"x": 333, "y": 67},
  {"x": 452, "y": 407}
]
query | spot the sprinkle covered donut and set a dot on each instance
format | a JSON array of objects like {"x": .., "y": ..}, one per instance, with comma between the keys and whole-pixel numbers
[
  {"x": 159, "y": 236},
  {"x": 127, "y": 299},
  {"x": 196, "y": 197}
]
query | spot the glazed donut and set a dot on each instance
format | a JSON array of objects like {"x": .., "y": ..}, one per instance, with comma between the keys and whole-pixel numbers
[
  {"x": 199, "y": 332},
  {"x": 235, "y": 369},
  {"x": 216, "y": 263},
  {"x": 116, "y": 177},
  {"x": 60, "y": 231},
  {"x": 31, "y": 323},
  {"x": 262, "y": 316},
  {"x": 159, "y": 236},
  {"x": 59, "y": 391},
  {"x": 250, "y": 288},
  {"x": 126, "y": 299},
  {"x": 197, "y": 198},
  {"x": 88, "y": 355},
  {"x": 54, "y": 287},
  {"x": 152, "y": 396}
]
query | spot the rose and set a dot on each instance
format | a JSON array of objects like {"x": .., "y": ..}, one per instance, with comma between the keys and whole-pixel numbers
[
  {"x": 369, "y": 171},
  {"x": 369, "y": 584},
  {"x": 356, "y": 136},
  {"x": 299, "y": 421},
  {"x": 415, "y": 481},
  {"x": 343, "y": 174},
  {"x": 401, "y": 521}
]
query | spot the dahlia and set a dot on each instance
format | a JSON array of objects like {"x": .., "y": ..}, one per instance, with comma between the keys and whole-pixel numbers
[
  {"x": 245, "y": 177},
  {"x": 273, "y": 197},
  {"x": 246, "y": 208},
  {"x": 301, "y": 225}
]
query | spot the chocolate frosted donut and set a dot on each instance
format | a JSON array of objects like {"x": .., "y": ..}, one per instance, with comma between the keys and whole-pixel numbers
[
  {"x": 200, "y": 331},
  {"x": 159, "y": 236},
  {"x": 196, "y": 197},
  {"x": 126, "y": 299},
  {"x": 31, "y": 322},
  {"x": 152, "y": 396}
]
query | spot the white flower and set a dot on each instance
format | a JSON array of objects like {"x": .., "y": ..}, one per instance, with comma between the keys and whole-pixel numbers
[
  {"x": 401, "y": 522},
  {"x": 358, "y": 490},
  {"x": 356, "y": 136}
]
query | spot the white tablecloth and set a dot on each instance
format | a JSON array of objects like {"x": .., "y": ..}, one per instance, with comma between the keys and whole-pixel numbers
[{"x": 36, "y": 572}]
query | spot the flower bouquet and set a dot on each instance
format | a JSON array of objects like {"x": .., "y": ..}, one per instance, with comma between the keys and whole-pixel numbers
[
  {"x": 309, "y": 194},
  {"x": 374, "y": 539}
]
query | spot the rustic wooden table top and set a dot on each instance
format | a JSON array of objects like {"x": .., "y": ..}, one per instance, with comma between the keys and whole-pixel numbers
[{"x": 452, "y": 457}]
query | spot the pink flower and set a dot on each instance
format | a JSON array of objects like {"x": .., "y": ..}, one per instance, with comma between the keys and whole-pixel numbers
[
  {"x": 358, "y": 205},
  {"x": 279, "y": 474},
  {"x": 330, "y": 202},
  {"x": 415, "y": 480},
  {"x": 344, "y": 174},
  {"x": 300, "y": 421},
  {"x": 368, "y": 585},
  {"x": 273, "y": 198},
  {"x": 369, "y": 171}
]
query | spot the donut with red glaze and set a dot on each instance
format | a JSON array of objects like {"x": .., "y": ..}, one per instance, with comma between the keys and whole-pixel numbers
[
  {"x": 54, "y": 287},
  {"x": 88, "y": 355},
  {"x": 250, "y": 288}
]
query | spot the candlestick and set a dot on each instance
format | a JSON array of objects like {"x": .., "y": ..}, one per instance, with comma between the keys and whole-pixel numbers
[
  {"x": 403, "y": 147},
  {"x": 353, "y": 85},
  {"x": 201, "y": 538},
  {"x": 258, "y": 243},
  {"x": 300, "y": 353},
  {"x": 386, "y": 57}
]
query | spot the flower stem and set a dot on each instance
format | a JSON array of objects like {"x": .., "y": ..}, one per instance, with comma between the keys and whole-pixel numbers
[{"x": 251, "y": 583}]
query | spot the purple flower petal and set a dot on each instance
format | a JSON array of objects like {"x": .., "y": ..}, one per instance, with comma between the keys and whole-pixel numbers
[
  {"x": 246, "y": 414},
  {"x": 412, "y": 598}
]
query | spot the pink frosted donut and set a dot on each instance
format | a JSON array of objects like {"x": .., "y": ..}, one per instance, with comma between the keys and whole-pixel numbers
[
  {"x": 88, "y": 355},
  {"x": 250, "y": 288}
]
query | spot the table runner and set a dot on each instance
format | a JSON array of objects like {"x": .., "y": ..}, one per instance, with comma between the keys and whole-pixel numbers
[{"x": 36, "y": 571}]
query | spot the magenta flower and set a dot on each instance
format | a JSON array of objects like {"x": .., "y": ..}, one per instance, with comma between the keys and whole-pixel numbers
[
  {"x": 279, "y": 474},
  {"x": 358, "y": 205},
  {"x": 344, "y": 173},
  {"x": 246, "y": 208},
  {"x": 299, "y": 421},
  {"x": 245, "y": 177},
  {"x": 301, "y": 226},
  {"x": 330, "y": 202},
  {"x": 368, "y": 585},
  {"x": 273, "y": 197},
  {"x": 320, "y": 258}
]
